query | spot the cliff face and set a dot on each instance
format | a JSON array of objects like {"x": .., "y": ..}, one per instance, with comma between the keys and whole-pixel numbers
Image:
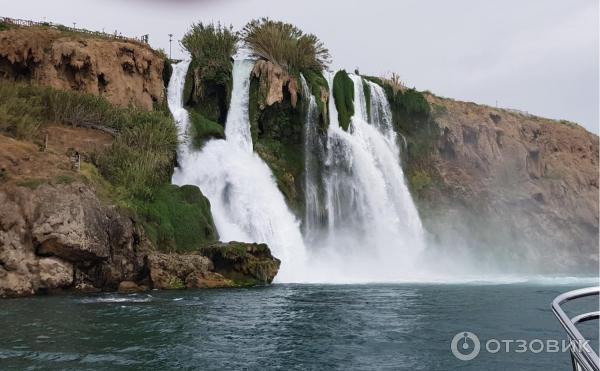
[
  {"x": 524, "y": 187},
  {"x": 125, "y": 73}
]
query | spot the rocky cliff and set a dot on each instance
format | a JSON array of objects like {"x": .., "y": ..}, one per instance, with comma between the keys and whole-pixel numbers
[
  {"x": 517, "y": 190},
  {"x": 126, "y": 73}
]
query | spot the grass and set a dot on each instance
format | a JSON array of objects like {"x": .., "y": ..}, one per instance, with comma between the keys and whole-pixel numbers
[
  {"x": 286, "y": 45},
  {"x": 177, "y": 219},
  {"x": 203, "y": 129},
  {"x": 32, "y": 183},
  {"x": 343, "y": 95},
  {"x": 142, "y": 154}
]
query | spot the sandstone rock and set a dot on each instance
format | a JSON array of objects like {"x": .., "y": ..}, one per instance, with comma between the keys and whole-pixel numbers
[
  {"x": 173, "y": 271},
  {"x": 208, "y": 280},
  {"x": 516, "y": 185},
  {"x": 125, "y": 73},
  {"x": 55, "y": 273},
  {"x": 243, "y": 263},
  {"x": 62, "y": 236},
  {"x": 272, "y": 80},
  {"x": 128, "y": 287}
]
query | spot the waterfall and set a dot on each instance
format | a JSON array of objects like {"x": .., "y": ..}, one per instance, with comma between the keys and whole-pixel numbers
[
  {"x": 313, "y": 152},
  {"x": 372, "y": 230},
  {"x": 245, "y": 201}
]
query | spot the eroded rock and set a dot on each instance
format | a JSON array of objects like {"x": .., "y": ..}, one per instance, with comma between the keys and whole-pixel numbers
[{"x": 125, "y": 73}]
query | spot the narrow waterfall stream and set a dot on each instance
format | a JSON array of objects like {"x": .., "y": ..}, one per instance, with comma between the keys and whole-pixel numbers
[{"x": 245, "y": 201}]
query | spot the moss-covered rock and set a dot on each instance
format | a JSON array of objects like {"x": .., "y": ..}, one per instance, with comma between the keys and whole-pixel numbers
[
  {"x": 320, "y": 90},
  {"x": 246, "y": 264},
  {"x": 343, "y": 95},
  {"x": 177, "y": 219},
  {"x": 208, "y": 94},
  {"x": 203, "y": 129}
]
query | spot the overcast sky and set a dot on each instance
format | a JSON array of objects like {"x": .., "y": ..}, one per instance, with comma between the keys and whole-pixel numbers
[{"x": 539, "y": 56}]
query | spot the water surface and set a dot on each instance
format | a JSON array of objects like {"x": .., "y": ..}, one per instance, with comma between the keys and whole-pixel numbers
[{"x": 284, "y": 326}]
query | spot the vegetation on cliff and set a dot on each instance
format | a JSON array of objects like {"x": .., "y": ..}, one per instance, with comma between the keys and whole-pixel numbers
[
  {"x": 285, "y": 45},
  {"x": 133, "y": 171},
  {"x": 343, "y": 95},
  {"x": 208, "y": 82},
  {"x": 178, "y": 219}
]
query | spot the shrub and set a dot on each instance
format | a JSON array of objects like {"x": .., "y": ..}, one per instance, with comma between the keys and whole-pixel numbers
[
  {"x": 343, "y": 95},
  {"x": 20, "y": 110},
  {"x": 177, "y": 219},
  {"x": 142, "y": 155},
  {"x": 202, "y": 129},
  {"x": 419, "y": 181},
  {"x": 286, "y": 45}
]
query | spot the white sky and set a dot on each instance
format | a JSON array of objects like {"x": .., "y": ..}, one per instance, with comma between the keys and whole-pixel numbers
[{"x": 539, "y": 56}]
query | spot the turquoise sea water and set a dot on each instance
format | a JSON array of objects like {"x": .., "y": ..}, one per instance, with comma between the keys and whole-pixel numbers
[{"x": 285, "y": 326}]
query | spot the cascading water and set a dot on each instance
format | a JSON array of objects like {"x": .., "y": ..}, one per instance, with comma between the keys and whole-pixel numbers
[
  {"x": 372, "y": 231},
  {"x": 245, "y": 201},
  {"x": 313, "y": 153}
]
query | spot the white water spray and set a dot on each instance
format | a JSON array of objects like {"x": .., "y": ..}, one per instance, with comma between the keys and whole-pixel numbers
[{"x": 245, "y": 201}]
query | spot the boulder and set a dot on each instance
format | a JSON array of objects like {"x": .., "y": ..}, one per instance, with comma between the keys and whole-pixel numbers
[
  {"x": 126, "y": 287},
  {"x": 246, "y": 264}
]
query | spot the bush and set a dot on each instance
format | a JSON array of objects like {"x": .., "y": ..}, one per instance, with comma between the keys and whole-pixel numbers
[
  {"x": 286, "y": 45},
  {"x": 142, "y": 155},
  {"x": 20, "y": 110},
  {"x": 343, "y": 95},
  {"x": 177, "y": 219},
  {"x": 202, "y": 129}
]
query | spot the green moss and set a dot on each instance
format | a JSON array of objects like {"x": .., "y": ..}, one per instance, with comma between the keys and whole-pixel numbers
[
  {"x": 287, "y": 164},
  {"x": 367, "y": 93},
  {"x": 175, "y": 283},
  {"x": 316, "y": 83},
  {"x": 419, "y": 181},
  {"x": 203, "y": 129},
  {"x": 374, "y": 79},
  {"x": 176, "y": 219},
  {"x": 343, "y": 95},
  {"x": 32, "y": 183}
]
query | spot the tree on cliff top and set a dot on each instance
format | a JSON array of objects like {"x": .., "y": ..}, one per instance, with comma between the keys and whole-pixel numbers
[{"x": 286, "y": 45}]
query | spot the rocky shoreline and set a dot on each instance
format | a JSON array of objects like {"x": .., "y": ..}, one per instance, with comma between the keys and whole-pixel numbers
[{"x": 62, "y": 237}]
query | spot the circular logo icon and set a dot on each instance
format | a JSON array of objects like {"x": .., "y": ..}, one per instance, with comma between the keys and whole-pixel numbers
[{"x": 465, "y": 346}]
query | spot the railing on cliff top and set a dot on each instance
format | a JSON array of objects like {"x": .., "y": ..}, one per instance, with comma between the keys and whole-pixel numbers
[{"x": 27, "y": 23}]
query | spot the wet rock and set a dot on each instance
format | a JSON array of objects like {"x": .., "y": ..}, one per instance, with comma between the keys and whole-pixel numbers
[{"x": 245, "y": 264}]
